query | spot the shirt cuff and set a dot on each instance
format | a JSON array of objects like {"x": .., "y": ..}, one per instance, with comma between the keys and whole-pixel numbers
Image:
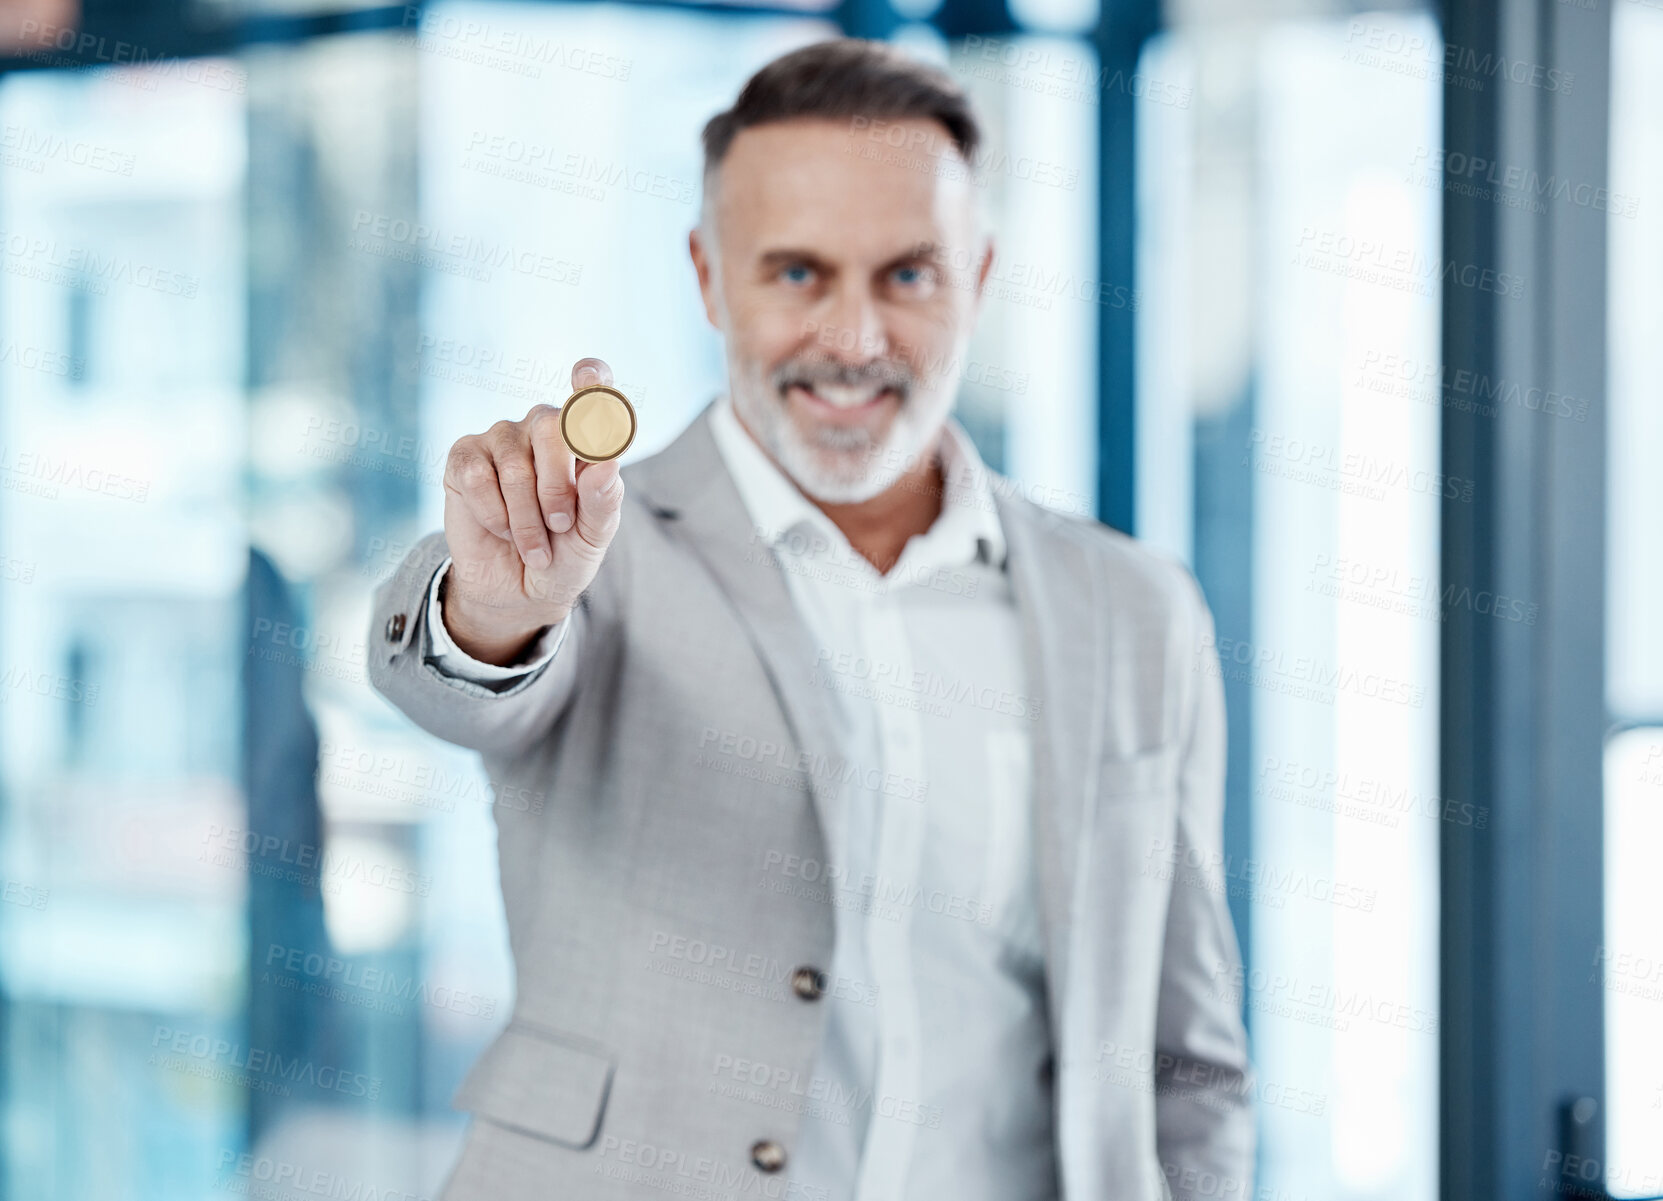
[{"x": 452, "y": 660}]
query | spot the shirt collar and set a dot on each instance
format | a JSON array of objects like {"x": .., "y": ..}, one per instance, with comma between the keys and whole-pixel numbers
[{"x": 968, "y": 520}]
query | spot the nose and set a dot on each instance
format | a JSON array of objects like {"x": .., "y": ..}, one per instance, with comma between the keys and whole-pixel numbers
[{"x": 851, "y": 329}]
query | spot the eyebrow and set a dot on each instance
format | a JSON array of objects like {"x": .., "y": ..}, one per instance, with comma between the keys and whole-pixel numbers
[{"x": 773, "y": 260}]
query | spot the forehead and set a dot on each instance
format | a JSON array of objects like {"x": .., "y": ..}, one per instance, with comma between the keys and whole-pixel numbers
[{"x": 838, "y": 185}]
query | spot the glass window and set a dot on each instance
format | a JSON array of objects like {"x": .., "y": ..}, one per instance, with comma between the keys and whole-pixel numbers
[
  {"x": 1630, "y": 960},
  {"x": 1030, "y": 390},
  {"x": 122, "y": 549},
  {"x": 1288, "y": 408},
  {"x": 253, "y": 924}
]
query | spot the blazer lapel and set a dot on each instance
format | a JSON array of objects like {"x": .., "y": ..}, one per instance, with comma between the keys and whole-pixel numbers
[
  {"x": 687, "y": 485},
  {"x": 1062, "y": 643}
]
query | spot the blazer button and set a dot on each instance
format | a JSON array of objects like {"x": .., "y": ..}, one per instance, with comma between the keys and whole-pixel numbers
[
  {"x": 395, "y": 627},
  {"x": 807, "y": 983},
  {"x": 768, "y": 1155}
]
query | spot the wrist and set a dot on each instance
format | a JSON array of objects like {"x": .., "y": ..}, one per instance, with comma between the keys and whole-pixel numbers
[{"x": 489, "y": 634}]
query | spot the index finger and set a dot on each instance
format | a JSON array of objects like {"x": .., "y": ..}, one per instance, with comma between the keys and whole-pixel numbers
[{"x": 557, "y": 466}]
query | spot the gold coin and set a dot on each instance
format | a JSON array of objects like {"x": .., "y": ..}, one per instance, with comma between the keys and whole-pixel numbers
[{"x": 598, "y": 423}]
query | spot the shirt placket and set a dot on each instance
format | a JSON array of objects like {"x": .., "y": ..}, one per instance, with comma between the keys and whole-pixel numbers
[{"x": 898, "y": 794}]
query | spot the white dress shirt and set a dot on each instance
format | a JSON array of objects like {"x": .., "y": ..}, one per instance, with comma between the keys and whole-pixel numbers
[{"x": 941, "y": 1089}]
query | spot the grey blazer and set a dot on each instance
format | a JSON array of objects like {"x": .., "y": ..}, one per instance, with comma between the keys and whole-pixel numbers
[{"x": 669, "y": 758}]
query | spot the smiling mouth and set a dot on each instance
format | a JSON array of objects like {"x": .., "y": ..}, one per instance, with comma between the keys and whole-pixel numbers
[{"x": 842, "y": 401}]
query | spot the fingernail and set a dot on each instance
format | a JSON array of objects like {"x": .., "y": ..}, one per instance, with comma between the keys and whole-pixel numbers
[
  {"x": 560, "y": 522},
  {"x": 537, "y": 560}
]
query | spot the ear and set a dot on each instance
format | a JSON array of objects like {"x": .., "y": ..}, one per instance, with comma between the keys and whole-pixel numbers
[
  {"x": 705, "y": 266},
  {"x": 983, "y": 270}
]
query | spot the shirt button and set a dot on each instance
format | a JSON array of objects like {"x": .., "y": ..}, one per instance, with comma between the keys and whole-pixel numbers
[
  {"x": 768, "y": 1155},
  {"x": 395, "y": 627},
  {"x": 807, "y": 983}
]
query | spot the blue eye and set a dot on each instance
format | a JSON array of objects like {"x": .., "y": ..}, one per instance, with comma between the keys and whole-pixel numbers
[
  {"x": 797, "y": 274},
  {"x": 908, "y": 275}
]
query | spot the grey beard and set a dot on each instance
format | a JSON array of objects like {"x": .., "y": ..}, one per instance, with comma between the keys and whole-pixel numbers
[
  {"x": 834, "y": 467},
  {"x": 840, "y": 467},
  {"x": 837, "y": 466}
]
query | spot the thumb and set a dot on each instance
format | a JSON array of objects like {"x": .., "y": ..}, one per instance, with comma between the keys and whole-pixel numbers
[{"x": 600, "y": 499}]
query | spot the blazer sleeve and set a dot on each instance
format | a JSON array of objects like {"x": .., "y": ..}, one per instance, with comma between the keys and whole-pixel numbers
[
  {"x": 466, "y": 712},
  {"x": 1204, "y": 1081}
]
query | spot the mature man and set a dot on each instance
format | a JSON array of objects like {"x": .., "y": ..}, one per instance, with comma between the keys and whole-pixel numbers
[{"x": 865, "y": 778}]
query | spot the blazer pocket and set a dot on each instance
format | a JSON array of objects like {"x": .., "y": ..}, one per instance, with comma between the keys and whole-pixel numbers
[
  {"x": 541, "y": 1082},
  {"x": 1141, "y": 774}
]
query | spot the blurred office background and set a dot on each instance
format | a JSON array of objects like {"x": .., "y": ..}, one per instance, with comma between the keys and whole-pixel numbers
[{"x": 1356, "y": 310}]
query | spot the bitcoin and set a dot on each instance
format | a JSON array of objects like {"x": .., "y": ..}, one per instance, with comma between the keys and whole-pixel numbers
[{"x": 598, "y": 423}]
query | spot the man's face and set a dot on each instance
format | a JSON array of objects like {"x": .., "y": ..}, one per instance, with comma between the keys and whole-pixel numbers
[{"x": 845, "y": 275}]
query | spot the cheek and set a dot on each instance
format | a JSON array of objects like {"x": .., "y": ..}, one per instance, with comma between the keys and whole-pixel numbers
[
  {"x": 766, "y": 332},
  {"x": 926, "y": 341}
]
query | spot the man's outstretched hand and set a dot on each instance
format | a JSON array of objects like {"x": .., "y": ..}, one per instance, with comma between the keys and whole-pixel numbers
[{"x": 528, "y": 524}]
